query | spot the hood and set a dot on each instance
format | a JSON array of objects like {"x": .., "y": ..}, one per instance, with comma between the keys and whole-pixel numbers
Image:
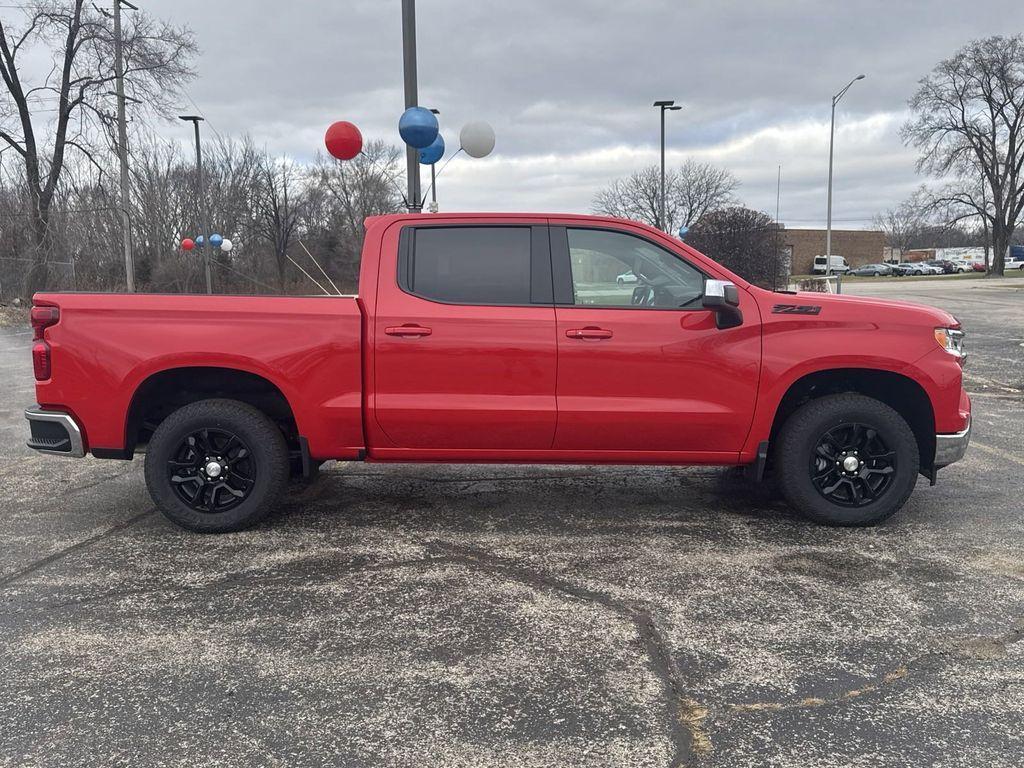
[{"x": 845, "y": 307}]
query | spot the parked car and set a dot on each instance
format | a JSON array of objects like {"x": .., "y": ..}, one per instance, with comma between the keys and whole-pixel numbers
[
  {"x": 1013, "y": 262},
  {"x": 872, "y": 270},
  {"x": 909, "y": 268},
  {"x": 839, "y": 265},
  {"x": 473, "y": 339},
  {"x": 626, "y": 277},
  {"x": 933, "y": 268},
  {"x": 958, "y": 266},
  {"x": 979, "y": 266}
]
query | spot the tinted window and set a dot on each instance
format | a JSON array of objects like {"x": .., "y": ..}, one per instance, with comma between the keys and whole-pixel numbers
[
  {"x": 613, "y": 269},
  {"x": 471, "y": 265}
]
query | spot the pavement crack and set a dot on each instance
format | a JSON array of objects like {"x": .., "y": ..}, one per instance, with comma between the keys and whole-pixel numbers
[
  {"x": 977, "y": 648},
  {"x": 687, "y": 732},
  {"x": 36, "y": 565}
]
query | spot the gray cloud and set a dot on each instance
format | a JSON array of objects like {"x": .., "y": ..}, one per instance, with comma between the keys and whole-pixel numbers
[{"x": 568, "y": 87}]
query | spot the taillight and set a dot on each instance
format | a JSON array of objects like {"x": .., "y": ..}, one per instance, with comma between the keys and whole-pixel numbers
[
  {"x": 43, "y": 318},
  {"x": 41, "y": 360}
]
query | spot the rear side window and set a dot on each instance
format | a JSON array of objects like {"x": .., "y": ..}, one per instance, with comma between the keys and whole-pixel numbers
[{"x": 468, "y": 265}]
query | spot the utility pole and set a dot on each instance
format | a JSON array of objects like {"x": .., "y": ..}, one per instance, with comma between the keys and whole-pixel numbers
[
  {"x": 433, "y": 177},
  {"x": 122, "y": 147},
  {"x": 203, "y": 211},
  {"x": 828, "y": 226},
  {"x": 664, "y": 105},
  {"x": 412, "y": 162}
]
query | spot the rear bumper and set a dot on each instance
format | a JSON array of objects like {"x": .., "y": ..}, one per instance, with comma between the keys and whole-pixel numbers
[
  {"x": 54, "y": 433},
  {"x": 950, "y": 448}
]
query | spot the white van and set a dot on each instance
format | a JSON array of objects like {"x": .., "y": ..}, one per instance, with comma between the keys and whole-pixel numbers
[{"x": 839, "y": 265}]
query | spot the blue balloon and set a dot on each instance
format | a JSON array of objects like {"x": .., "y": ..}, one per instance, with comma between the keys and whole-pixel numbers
[
  {"x": 434, "y": 152},
  {"x": 200, "y": 241},
  {"x": 216, "y": 240},
  {"x": 418, "y": 127},
  {"x": 682, "y": 231}
]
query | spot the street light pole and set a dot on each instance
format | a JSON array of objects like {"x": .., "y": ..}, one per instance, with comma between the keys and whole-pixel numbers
[
  {"x": 412, "y": 164},
  {"x": 433, "y": 177},
  {"x": 204, "y": 213},
  {"x": 831, "y": 142},
  {"x": 663, "y": 105},
  {"x": 122, "y": 147}
]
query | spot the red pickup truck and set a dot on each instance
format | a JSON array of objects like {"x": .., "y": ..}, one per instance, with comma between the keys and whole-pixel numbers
[{"x": 505, "y": 338}]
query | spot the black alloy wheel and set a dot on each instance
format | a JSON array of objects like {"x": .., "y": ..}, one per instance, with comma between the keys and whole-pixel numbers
[
  {"x": 852, "y": 466},
  {"x": 212, "y": 470}
]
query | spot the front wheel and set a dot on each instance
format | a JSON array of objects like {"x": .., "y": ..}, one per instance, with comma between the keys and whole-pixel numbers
[
  {"x": 847, "y": 460},
  {"x": 215, "y": 466}
]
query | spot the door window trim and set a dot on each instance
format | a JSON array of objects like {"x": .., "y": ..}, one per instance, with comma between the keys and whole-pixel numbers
[
  {"x": 561, "y": 270},
  {"x": 541, "y": 281}
]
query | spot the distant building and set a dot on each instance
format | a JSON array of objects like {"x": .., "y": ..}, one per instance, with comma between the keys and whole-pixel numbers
[{"x": 857, "y": 246}]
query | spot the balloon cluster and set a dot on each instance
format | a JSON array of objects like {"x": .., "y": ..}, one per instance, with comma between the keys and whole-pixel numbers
[
  {"x": 419, "y": 129},
  {"x": 216, "y": 241}
]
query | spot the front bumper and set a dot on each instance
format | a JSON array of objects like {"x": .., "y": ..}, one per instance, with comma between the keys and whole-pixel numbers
[
  {"x": 950, "y": 448},
  {"x": 54, "y": 433}
]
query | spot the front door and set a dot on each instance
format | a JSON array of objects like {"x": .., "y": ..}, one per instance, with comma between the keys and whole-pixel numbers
[
  {"x": 641, "y": 365},
  {"x": 464, "y": 337}
]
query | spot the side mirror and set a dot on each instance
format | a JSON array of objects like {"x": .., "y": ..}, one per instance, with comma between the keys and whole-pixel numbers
[
  {"x": 720, "y": 293},
  {"x": 723, "y": 298}
]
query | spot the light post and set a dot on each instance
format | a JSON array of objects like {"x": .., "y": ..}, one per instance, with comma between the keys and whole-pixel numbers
[
  {"x": 671, "y": 106},
  {"x": 122, "y": 145},
  {"x": 412, "y": 163},
  {"x": 203, "y": 213},
  {"x": 831, "y": 142},
  {"x": 433, "y": 177}
]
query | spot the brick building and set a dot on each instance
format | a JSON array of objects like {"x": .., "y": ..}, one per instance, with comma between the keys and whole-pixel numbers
[{"x": 857, "y": 246}]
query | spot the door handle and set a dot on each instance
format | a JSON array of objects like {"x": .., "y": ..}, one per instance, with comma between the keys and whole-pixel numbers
[
  {"x": 407, "y": 331},
  {"x": 588, "y": 333}
]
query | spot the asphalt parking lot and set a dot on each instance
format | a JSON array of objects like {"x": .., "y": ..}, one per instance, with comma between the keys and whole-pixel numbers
[{"x": 526, "y": 616}]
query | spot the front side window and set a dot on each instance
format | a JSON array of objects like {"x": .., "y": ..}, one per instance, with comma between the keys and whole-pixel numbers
[
  {"x": 470, "y": 265},
  {"x": 613, "y": 269}
]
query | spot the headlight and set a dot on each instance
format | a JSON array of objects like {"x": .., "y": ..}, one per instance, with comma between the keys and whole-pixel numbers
[{"x": 951, "y": 340}]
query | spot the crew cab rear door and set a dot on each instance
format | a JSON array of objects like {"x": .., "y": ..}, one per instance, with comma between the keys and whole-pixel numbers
[
  {"x": 642, "y": 366},
  {"x": 464, "y": 338}
]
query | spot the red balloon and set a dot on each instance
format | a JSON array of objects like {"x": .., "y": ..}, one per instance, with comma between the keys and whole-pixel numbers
[
  {"x": 343, "y": 140},
  {"x": 188, "y": 243}
]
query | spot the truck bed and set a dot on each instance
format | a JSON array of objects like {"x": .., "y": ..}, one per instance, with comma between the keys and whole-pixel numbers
[{"x": 306, "y": 347}]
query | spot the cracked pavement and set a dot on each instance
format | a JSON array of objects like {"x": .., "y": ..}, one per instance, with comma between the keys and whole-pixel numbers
[{"x": 534, "y": 616}]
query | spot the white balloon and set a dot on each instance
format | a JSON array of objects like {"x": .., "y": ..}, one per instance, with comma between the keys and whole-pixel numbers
[
  {"x": 477, "y": 138},
  {"x": 226, "y": 245}
]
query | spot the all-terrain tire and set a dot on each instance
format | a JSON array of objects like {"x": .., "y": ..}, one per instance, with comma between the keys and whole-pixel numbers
[
  {"x": 797, "y": 460},
  {"x": 185, "y": 437}
]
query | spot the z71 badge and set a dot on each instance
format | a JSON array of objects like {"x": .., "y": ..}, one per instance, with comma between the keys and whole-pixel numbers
[{"x": 795, "y": 309}]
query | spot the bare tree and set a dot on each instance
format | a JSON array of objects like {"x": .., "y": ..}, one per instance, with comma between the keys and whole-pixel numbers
[
  {"x": 69, "y": 107},
  {"x": 278, "y": 211},
  {"x": 699, "y": 189},
  {"x": 968, "y": 124},
  {"x": 691, "y": 190},
  {"x": 906, "y": 224},
  {"x": 743, "y": 240},
  {"x": 637, "y": 197},
  {"x": 342, "y": 195}
]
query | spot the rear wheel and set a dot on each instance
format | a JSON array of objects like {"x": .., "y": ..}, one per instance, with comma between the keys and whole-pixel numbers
[
  {"x": 847, "y": 460},
  {"x": 216, "y": 465}
]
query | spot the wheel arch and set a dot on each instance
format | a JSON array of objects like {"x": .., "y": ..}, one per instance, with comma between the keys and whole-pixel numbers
[
  {"x": 900, "y": 392},
  {"x": 168, "y": 389}
]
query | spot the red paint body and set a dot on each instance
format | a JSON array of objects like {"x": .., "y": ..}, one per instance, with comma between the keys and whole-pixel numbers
[{"x": 392, "y": 376}]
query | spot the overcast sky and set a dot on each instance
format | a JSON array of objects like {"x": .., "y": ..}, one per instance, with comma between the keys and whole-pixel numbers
[{"x": 568, "y": 87}]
